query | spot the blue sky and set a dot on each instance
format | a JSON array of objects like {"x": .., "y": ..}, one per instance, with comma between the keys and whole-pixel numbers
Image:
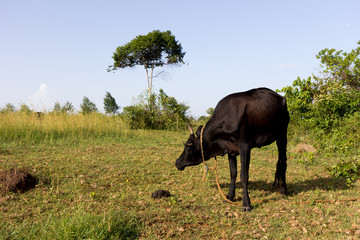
[{"x": 60, "y": 50}]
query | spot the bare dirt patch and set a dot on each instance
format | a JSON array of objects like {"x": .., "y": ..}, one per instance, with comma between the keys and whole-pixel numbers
[
  {"x": 304, "y": 148},
  {"x": 15, "y": 180}
]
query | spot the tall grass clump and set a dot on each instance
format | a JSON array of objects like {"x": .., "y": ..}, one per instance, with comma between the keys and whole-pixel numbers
[
  {"x": 51, "y": 127},
  {"x": 79, "y": 226}
]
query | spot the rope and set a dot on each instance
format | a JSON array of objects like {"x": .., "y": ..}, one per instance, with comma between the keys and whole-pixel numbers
[
  {"x": 202, "y": 153},
  {"x": 255, "y": 201},
  {"x": 206, "y": 168},
  {"x": 218, "y": 185}
]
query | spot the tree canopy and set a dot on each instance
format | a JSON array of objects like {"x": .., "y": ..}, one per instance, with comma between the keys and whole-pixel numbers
[
  {"x": 325, "y": 99},
  {"x": 156, "y": 49},
  {"x": 87, "y": 106},
  {"x": 110, "y": 105}
]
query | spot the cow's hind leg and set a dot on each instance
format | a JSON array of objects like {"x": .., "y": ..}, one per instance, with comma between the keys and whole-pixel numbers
[
  {"x": 233, "y": 174},
  {"x": 245, "y": 163},
  {"x": 280, "y": 175}
]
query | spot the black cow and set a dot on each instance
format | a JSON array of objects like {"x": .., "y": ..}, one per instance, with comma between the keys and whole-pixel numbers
[{"x": 240, "y": 122}]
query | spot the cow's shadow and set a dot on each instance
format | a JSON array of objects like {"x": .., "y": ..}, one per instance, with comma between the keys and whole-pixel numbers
[{"x": 294, "y": 187}]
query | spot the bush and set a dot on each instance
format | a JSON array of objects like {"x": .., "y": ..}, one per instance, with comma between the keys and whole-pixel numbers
[
  {"x": 162, "y": 112},
  {"x": 350, "y": 171},
  {"x": 323, "y": 102}
]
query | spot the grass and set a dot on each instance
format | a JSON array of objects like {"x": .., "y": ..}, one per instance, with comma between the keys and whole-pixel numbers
[
  {"x": 52, "y": 127},
  {"x": 99, "y": 187}
]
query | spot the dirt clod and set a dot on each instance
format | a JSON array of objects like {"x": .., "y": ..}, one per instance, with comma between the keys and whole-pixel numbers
[
  {"x": 161, "y": 194},
  {"x": 15, "y": 180}
]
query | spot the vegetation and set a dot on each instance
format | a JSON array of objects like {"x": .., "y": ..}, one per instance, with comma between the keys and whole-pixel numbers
[
  {"x": 66, "y": 108},
  {"x": 49, "y": 128},
  {"x": 156, "y": 49},
  {"x": 160, "y": 112},
  {"x": 110, "y": 104},
  {"x": 96, "y": 172},
  {"x": 328, "y": 107},
  {"x": 8, "y": 108},
  {"x": 87, "y": 106},
  {"x": 99, "y": 186},
  {"x": 323, "y": 101}
]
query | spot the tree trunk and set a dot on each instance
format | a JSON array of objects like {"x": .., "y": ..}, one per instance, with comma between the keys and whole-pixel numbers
[
  {"x": 149, "y": 82},
  {"x": 149, "y": 79}
]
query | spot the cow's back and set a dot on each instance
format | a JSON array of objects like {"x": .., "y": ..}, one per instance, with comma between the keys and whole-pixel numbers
[{"x": 256, "y": 116}]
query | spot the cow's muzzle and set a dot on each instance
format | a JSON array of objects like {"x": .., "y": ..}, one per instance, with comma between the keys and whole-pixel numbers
[{"x": 179, "y": 166}]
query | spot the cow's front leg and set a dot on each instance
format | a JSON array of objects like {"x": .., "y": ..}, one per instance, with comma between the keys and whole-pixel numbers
[
  {"x": 245, "y": 162},
  {"x": 233, "y": 175}
]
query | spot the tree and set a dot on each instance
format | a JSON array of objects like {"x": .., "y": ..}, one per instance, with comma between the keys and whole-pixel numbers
[
  {"x": 156, "y": 49},
  {"x": 66, "y": 108},
  {"x": 87, "y": 106},
  {"x": 326, "y": 99},
  {"x": 110, "y": 105},
  {"x": 171, "y": 107},
  {"x": 341, "y": 67},
  {"x": 8, "y": 108},
  {"x": 57, "y": 107},
  {"x": 25, "y": 108}
]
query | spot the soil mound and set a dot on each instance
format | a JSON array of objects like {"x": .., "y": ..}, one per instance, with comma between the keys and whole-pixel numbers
[
  {"x": 304, "y": 148},
  {"x": 161, "y": 194},
  {"x": 16, "y": 180}
]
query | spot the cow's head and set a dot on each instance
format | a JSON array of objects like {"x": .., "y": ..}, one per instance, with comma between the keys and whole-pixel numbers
[{"x": 192, "y": 151}]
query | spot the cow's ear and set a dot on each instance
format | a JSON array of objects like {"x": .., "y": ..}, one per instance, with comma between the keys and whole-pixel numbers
[{"x": 198, "y": 131}]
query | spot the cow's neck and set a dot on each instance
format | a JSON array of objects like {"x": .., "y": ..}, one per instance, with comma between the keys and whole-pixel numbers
[{"x": 213, "y": 146}]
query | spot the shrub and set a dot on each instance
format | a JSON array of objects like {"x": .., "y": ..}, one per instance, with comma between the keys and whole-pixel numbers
[
  {"x": 162, "y": 112},
  {"x": 349, "y": 170}
]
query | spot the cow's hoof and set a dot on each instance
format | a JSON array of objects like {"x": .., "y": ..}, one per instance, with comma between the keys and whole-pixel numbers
[
  {"x": 231, "y": 199},
  {"x": 246, "y": 209},
  {"x": 283, "y": 191}
]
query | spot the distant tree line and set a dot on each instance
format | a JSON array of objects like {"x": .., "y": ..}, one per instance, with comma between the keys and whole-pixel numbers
[{"x": 159, "y": 112}]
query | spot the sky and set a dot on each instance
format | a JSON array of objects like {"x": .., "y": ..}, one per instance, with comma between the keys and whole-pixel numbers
[{"x": 59, "y": 51}]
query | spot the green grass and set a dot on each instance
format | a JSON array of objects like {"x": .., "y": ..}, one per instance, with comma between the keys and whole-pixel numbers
[{"x": 99, "y": 187}]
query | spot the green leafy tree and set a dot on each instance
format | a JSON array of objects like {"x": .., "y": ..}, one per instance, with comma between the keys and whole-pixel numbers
[
  {"x": 156, "y": 49},
  {"x": 66, "y": 108},
  {"x": 341, "y": 67},
  {"x": 8, "y": 108},
  {"x": 172, "y": 108},
  {"x": 87, "y": 106},
  {"x": 57, "y": 107},
  {"x": 25, "y": 108},
  {"x": 325, "y": 99},
  {"x": 210, "y": 111},
  {"x": 110, "y": 105}
]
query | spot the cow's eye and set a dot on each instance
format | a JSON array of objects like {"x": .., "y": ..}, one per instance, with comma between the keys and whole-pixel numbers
[{"x": 188, "y": 144}]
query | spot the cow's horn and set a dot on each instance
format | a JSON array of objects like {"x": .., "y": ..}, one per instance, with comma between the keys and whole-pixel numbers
[{"x": 190, "y": 128}]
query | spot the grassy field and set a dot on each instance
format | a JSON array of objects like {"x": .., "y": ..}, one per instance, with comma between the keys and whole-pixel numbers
[{"x": 96, "y": 180}]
